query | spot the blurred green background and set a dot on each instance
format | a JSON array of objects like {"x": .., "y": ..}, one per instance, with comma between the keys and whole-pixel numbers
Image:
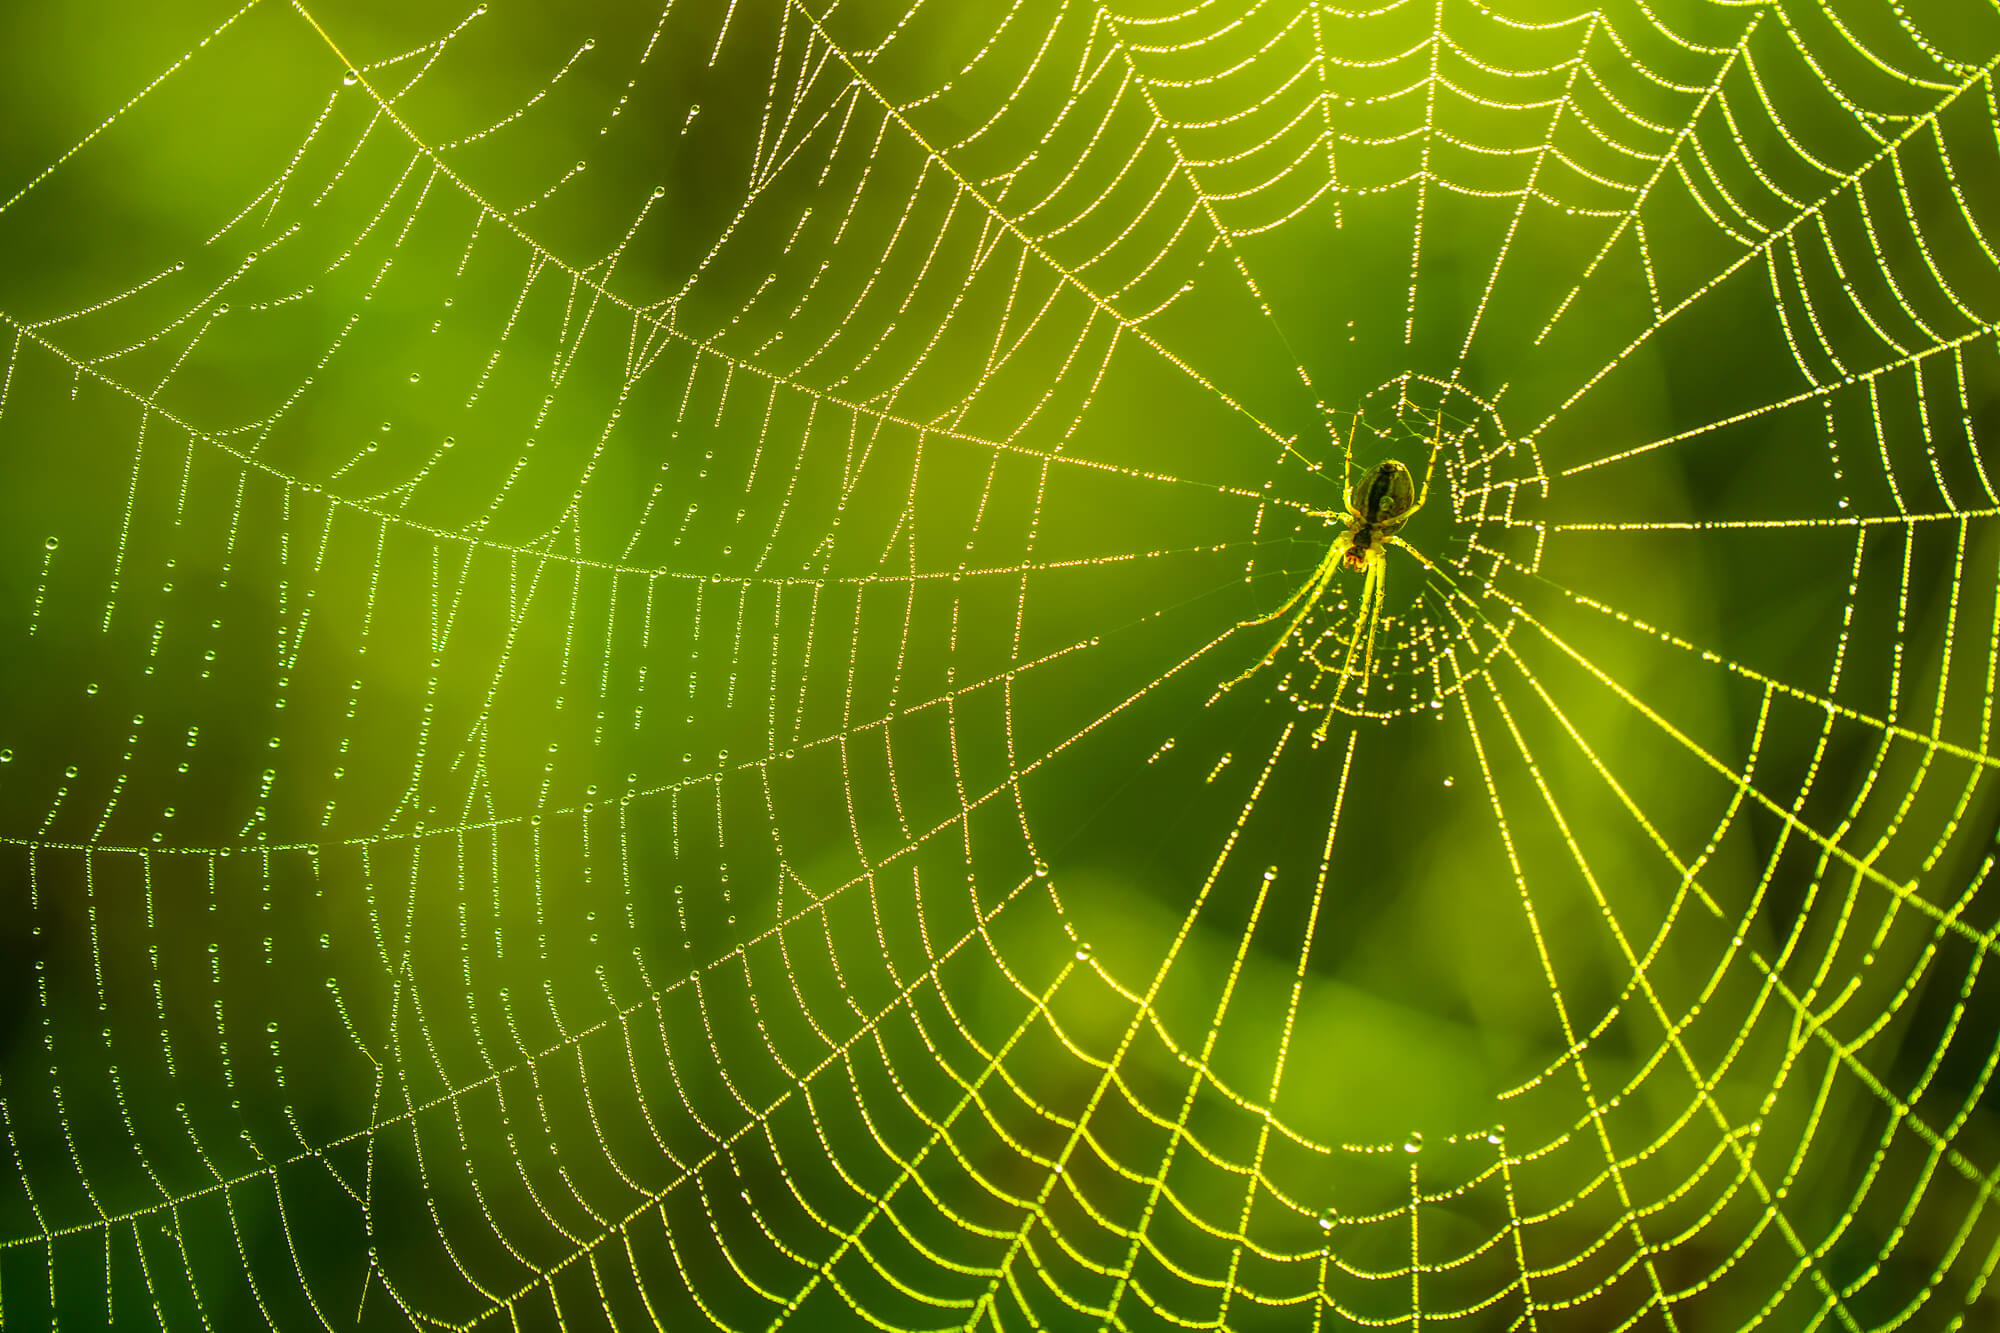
[{"x": 614, "y": 627}]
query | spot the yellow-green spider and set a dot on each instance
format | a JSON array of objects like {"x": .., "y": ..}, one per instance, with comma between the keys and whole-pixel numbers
[{"x": 1377, "y": 508}]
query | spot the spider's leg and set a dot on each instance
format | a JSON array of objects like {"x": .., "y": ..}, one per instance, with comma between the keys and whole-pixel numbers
[
  {"x": 1428, "y": 563},
  {"x": 1424, "y": 491},
  {"x": 1381, "y": 573},
  {"x": 1319, "y": 576},
  {"x": 1374, "y": 598},
  {"x": 1443, "y": 575},
  {"x": 1347, "y": 663},
  {"x": 1363, "y": 626},
  {"x": 1347, "y": 469},
  {"x": 1436, "y": 571},
  {"x": 1374, "y": 595},
  {"x": 1309, "y": 593}
]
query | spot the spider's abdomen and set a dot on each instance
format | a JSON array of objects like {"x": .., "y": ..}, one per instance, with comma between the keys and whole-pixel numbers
[{"x": 1383, "y": 496}]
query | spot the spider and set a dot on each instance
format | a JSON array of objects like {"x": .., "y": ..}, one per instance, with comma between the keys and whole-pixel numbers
[{"x": 1377, "y": 509}]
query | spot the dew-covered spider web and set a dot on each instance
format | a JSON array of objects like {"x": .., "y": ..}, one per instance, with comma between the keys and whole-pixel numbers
[{"x": 614, "y": 626}]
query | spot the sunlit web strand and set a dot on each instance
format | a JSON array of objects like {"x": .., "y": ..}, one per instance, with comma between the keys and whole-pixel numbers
[
  {"x": 1732, "y": 1137},
  {"x": 1687, "y": 874},
  {"x": 536, "y": 550},
  {"x": 1848, "y": 182},
  {"x": 544, "y": 256},
  {"x": 1905, "y": 893}
]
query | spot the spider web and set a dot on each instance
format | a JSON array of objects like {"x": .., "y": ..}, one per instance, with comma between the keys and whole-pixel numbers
[{"x": 615, "y": 629}]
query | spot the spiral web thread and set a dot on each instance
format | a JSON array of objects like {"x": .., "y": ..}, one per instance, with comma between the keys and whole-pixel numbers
[{"x": 562, "y": 835}]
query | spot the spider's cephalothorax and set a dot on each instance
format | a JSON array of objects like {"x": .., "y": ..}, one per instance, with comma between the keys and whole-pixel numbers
[{"x": 1377, "y": 507}]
